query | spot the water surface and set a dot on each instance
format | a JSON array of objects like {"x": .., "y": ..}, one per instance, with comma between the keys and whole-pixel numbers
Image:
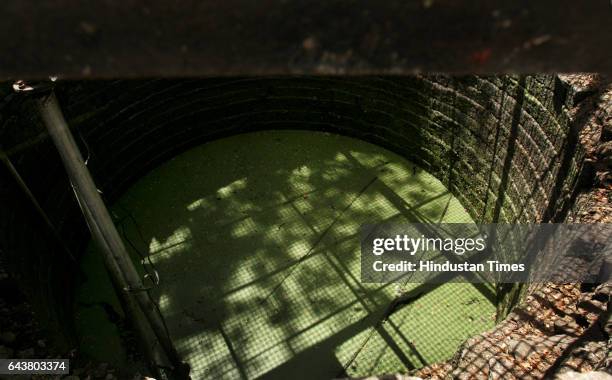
[{"x": 255, "y": 239}]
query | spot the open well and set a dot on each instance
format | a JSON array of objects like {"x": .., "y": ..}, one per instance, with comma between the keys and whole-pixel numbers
[{"x": 247, "y": 193}]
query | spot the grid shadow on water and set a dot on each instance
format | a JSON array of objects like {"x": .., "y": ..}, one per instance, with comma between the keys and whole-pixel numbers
[{"x": 260, "y": 267}]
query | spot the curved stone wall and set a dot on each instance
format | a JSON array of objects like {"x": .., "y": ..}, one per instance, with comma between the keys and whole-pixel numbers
[{"x": 505, "y": 146}]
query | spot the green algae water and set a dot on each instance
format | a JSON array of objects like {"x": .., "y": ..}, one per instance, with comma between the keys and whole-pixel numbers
[{"x": 256, "y": 241}]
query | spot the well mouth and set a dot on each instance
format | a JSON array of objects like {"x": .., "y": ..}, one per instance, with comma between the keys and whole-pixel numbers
[
  {"x": 507, "y": 147},
  {"x": 255, "y": 239}
]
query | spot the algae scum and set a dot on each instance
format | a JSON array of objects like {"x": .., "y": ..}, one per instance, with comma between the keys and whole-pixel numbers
[{"x": 255, "y": 239}]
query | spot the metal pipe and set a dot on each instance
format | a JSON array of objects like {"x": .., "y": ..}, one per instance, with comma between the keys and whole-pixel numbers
[
  {"x": 118, "y": 261},
  {"x": 150, "y": 343}
]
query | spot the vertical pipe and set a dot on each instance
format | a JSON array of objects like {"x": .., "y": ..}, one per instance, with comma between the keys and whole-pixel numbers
[
  {"x": 155, "y": 356},
  {"x": 106, "y": 235}
]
